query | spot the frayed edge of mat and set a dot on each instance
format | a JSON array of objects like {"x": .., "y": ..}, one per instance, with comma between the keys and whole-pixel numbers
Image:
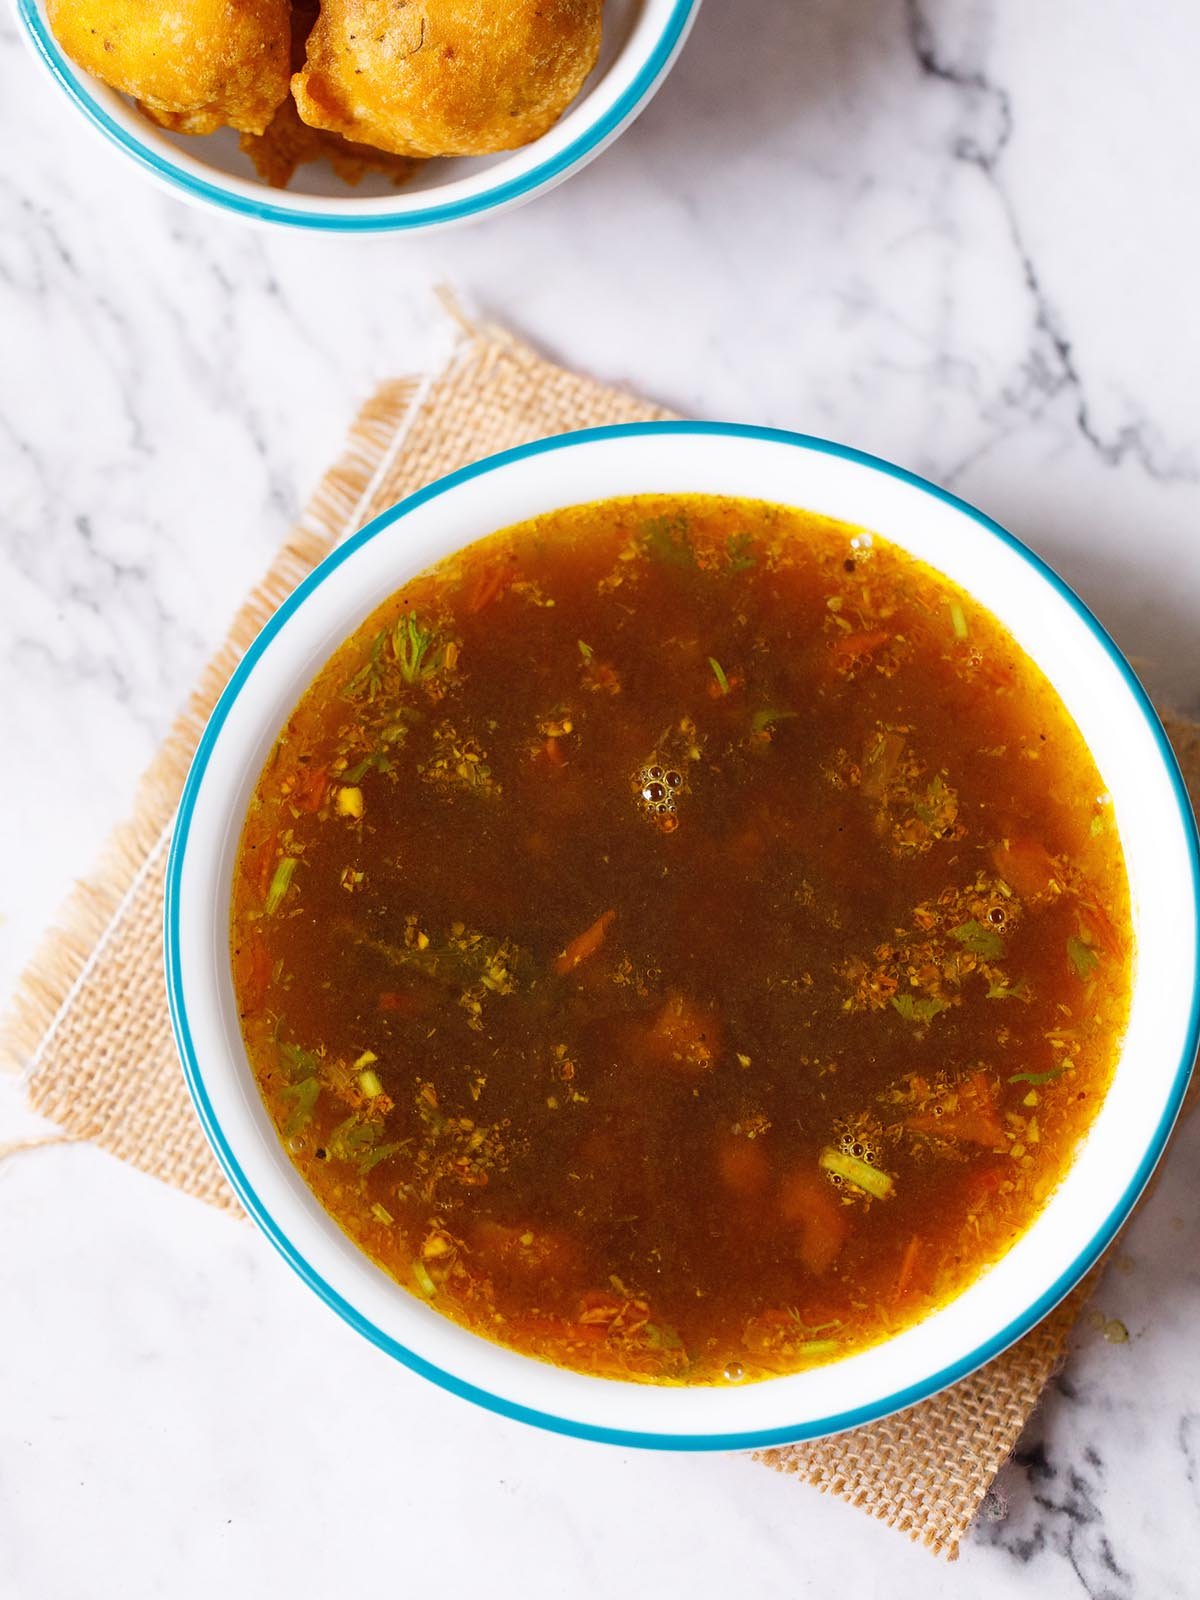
[{"x": 942, "y": 1536}]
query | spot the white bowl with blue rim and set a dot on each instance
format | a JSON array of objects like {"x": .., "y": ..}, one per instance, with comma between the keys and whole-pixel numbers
[
  {"x": 642, "y": 39},
  {"x": 1151, "y": 811}
]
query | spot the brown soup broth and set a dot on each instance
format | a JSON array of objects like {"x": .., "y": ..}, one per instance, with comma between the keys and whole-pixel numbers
[{"x": 683, "y": 939}]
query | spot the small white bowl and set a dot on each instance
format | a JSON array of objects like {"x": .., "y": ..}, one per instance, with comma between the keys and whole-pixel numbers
[
  {"x": 1152, "y": 813},
  {"x": 642, "y": 39}
]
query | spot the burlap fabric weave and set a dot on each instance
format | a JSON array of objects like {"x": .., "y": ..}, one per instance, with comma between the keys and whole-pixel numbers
[{"x": 89, "y": 1023}]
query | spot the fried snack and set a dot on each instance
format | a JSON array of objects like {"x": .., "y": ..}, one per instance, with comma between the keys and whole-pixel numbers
[
  {"x": 289, "y": 143},
  {"x": 192, "y": 65},
  {"x": 446, "y": 77}
]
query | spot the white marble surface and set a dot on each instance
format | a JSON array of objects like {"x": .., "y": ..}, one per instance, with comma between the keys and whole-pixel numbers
[{"x": 960, "y": 234}]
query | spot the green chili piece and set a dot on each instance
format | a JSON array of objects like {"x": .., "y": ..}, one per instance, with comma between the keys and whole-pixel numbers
[
  {"x": 858, "y": 1172},
  {"x": 281, "y": 882},
  {"x": 424, "y": 1282}
]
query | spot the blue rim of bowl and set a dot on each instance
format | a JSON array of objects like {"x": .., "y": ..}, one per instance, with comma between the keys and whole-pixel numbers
[
  {"x": 623, "y": 110},
  {"x": 756, "y": 1438}
]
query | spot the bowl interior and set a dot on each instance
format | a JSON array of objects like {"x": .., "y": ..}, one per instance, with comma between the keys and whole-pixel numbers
[
  {"x": 641, "y": 39},
  {"x": 1098, "y": 688}
]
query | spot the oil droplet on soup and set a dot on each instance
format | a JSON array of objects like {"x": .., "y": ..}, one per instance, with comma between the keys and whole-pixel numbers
[{"x": 682, "y": 939}]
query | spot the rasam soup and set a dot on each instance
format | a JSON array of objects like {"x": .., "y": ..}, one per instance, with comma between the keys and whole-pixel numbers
[{"x": 682, "y": 939}]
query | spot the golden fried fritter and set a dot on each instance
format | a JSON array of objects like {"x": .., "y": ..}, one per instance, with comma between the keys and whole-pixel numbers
[
  {"x": 289, "y": 143},
  {"x": 446, "y": 77},
  {"x": 192, "y": 65}
]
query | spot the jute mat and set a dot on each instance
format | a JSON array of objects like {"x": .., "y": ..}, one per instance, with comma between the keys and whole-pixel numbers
[{"x": 89, "y": 1023}]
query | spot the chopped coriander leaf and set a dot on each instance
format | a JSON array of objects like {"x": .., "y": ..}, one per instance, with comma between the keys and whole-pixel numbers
[
  {"x": 981, "y": 941},
  {"x": 1038, "y": 1078},
  {"x": 410, "y": 644},
  {"x": 368, "y": 674},
  {"x": 356, "y": 1140},
  {"x": 914, "y": 1009},
  {"x": 300, "y": 1063},
  {"x": 1083, "y": 957},
  {"x": 1010, "y": 991},
  {"x": 353, "y": 1138},
  {"x": 585, "y": 650},
  {"x": 718, "y": 673},
  {"x": 377, "y": 761},
  {"x": 281, "y": 882},
  {"x": 739, "y": 551},
  {"x": 303, "y": 1097},
  {"x": 665, "y": 539},
  {"x": 368, "y": 1162},
  {"x": 358, "y": 770}
]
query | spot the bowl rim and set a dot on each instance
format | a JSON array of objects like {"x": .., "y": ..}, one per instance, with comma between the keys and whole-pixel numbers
[
  {"x": 501, "y": 195},
  {"x": 756, "y": 1438}
]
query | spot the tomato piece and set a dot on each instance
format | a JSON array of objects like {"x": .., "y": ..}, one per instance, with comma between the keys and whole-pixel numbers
[
  {"x": 743, "y": 1166},
  {"x": 683, "y": 1036},
  {"x": 308, "y": 789},
  {"x": 252, "y": 966},
  {"x": 1027, "y": 866},
  {"x": 809, "y": 1202}
]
